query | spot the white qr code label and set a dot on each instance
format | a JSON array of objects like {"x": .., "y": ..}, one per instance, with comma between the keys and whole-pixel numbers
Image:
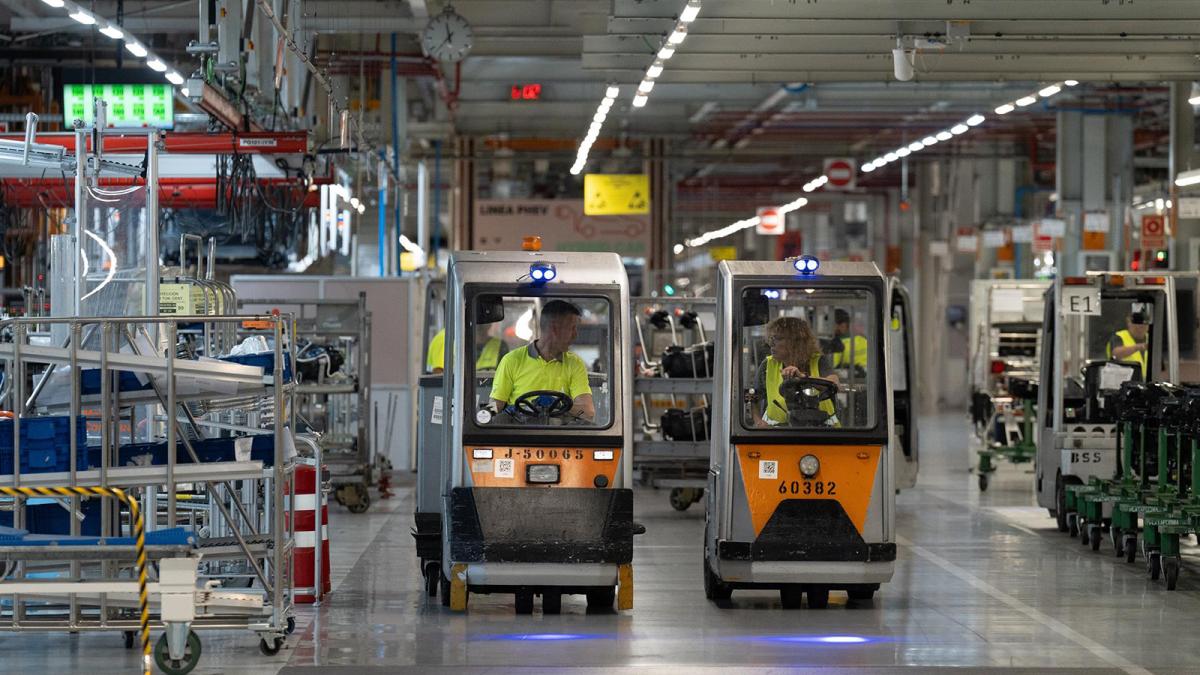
[
  {"x": 768, "y": 469},
  {"x": 505, "y": 468}
]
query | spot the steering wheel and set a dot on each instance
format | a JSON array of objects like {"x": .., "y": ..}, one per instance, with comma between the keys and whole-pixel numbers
[
  {"x": 804, "y": 396},
  {"x": 543, "y": 402}
]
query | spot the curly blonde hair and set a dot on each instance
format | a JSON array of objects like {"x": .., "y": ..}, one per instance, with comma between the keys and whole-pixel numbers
[{"x": 797, "y": 337}]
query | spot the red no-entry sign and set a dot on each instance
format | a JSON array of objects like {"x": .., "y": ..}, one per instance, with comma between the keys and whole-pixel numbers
[{"x": 841, "y": 173}]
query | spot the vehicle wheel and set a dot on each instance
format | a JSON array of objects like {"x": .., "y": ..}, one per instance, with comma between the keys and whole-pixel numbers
[
  {"x": 1114, "y": 536},
  {"x": 792, "y": 597},
  {"x": 1130, "y": 548},
  {"x": 1060, "y": 503},
  {"x": 1171, "y": 572},
  {"x": 270, "y": 647},
  {"x": 129, "y": 639},
  {"x": 861, "y": 593},
  {"x": 291, "y": 625},
  {"x": 601, "y": 599},
  {"x": 433, "y": 574},
  {"x": 524, "y": 602},
  {"x": 170, "y": 666},
  {"x": 362, "y": 497},
  {"x": 818, "y": 597},
  {"x": 1095, "y": 536},
  {"x": 714, "y": 588},
  {"x": 1072, "y": 525},
  {"x": 983, "y": 482},
  {"x": 680, "y": 499},
  {"x": 1085, "y": 533},
  {"x": 1154, "y": 565},
  {"x": 552, "y": 602}
]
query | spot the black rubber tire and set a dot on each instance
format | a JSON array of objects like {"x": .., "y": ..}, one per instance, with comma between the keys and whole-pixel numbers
[
  {"x": 1114, "y": 536},
  {"x": 433, "y": 577},
  {"x": 1154, "y": 565},
  {"x": 523, "y": 602},
  {"x": 1130, "y": 549},
  {"x": 601, "y": 599},
  {"x": 1060, "y": 502},
  {"x": 1094, "y": 538},
  {"x": 129, "y": 639},
  {"x": 791, "y": 597},
  {"x": 818, "y": 597},
  {"x": 1073, "y": 527},
  {"x": 272, "y": 647},
  {"x": 191, "y": 655},
  {"x": 867, "y": 593},
  {"x": 983, "y": 482},
  {"x": 290, "y": 627},
  {"x": 1171, "y": 572},
  {"x": 444, "y": 586},
  {"x": 551, "y": 602},
  {"x": 1085, "y": 533},
  {"x": 714, "y": 588}
]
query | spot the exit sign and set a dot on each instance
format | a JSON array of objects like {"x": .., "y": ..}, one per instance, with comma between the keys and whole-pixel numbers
[{"x": 526, "y": 92}]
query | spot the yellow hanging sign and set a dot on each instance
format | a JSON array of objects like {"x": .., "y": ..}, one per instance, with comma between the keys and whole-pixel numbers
[
  {"x": 719, "y": 253},
  {"x": 616, "y": 194}
]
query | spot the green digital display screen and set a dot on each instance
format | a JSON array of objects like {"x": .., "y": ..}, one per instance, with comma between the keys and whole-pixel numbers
[{"x": 129, "y": 105}]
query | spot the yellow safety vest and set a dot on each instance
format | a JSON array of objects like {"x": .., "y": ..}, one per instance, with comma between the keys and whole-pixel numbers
[
  {"x": 852, "y": 352},
  {"x": 1138, "y": 357},
  {"x": 776, "y": 406},
  {"x": 489, "y": 358}
]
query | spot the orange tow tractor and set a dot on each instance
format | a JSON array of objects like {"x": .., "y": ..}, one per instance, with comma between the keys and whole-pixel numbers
[
  {"x": 801, "y": 491},
  {"x": 537, "y": 469}
]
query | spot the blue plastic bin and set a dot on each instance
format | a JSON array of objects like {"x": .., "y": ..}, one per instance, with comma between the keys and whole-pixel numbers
[
  {"x": 45, "y": 444},
  {"x": 262, "y": 449},
  {"x": 46, "y": 517}
]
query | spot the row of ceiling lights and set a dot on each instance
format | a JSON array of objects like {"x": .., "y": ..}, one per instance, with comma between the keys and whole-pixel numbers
[
  {"x": 113, "y": 31},
  {"x": 886, "y": 158},
  {"x": 675, "y": 38}
]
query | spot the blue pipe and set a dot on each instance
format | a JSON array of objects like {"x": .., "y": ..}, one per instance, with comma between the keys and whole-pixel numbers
[{"x": 396, "y": 148}]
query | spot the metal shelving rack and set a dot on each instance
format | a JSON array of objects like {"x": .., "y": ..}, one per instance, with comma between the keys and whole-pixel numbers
[
  {"x": 242, "y": 529},
  {"x": 336, "y": 408},
  {"x": 681, "y": 466}
]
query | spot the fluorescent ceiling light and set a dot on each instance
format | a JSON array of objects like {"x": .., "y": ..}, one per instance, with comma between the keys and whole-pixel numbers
[
  {"x": 1187, "y": 178},
  {"x": 677, "y": 36},
  {"x": 157, "y": 65},
  {"x": 903, "y": 152},
  {"x": 929, "y": 140},
  {"x": 959, "y": 129},
  {"x": 645, "y": 87},
  {"x": 891, "y": 157},
  {"x": 1005, "y": 109},
  {"x": 666, "y": 52},
  {"x": 612, "y": 91},
  {"x": 174, "y": 78},
  {"x": 113, "y": 32},
  {"x": 1071, "y": 83},
  {"x": 690, "y": 12},
  {"x": 639, "y": 101},
  {"x": 54, "y": 3},
  {"x": 654, "y": 70},
  {"x": 1026, "y": 100},
  {"x": 944, "y": 135},
  {"x": 916, "y": 146},
  {"x": 867, "y": 168},
  {"x": 135, "y": 49},
  {"x": 1049, "y": 91},
  {"x": 83, "y": 17},
  {"x": 975, "y": 120}
]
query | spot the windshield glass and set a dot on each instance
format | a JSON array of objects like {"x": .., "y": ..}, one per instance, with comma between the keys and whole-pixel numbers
[
  {"x": 541, "y": 362},
  {"x": 807, "y": 358},
  {"x": 1123, "y": 334}
]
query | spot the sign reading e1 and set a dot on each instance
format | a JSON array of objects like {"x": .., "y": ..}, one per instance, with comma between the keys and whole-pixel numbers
[
  {"x": 1083, "y": 300},
  {"x": 841, "y": 173},
  {"x": 526, "y": 92}
]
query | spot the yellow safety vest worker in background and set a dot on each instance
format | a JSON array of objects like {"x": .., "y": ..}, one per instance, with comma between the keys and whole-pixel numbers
[
  {"x": 488, "y": 359},
  {"x": 776, "y": 406},
  {"x": 854, "y": 351},
  {"x": 1127, "y": 340}
]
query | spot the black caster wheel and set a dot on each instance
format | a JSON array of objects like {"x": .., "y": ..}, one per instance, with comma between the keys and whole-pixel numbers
[
  {"x": 444, "y": 587},
  {"x": 270, "y": 647},
  {"x": 363, "y": 497},
  {"x": 1095, "y": 537},
  {"x": 1072, "y": 525},
  {"x": 1171, "y": 572},
  {"x": 680, "y": 499},
  {"x": 792, "y": 597},
  {"x": 170, "y": 666},
  {"x": 291, "y": 625},
  {"x": 433, "y": 573},
  {"x": 523, "y": 602},
  {"x": 551, "y": 603},
  {"x": 818, "y": 597},
  {"x": 1085, "y": 533},
  {"x": 129, "y": 639},
  {"x": 714, "y": 588},
  {"x": 601, "y": 599},
  {"x": 1130, "y": 548},
  {"x": 983, "y": 482},
  {"x": 1118, "y": 542},
  {"x": 1154, "y": 565}
]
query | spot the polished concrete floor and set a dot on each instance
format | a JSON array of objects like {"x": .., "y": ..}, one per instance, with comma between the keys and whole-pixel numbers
[{"x": 983, "y": 582}]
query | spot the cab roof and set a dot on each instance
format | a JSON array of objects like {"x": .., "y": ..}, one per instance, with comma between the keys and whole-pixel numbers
[
  {"x": 573, "y": 267},
  {"x": 777, "y": 268}
]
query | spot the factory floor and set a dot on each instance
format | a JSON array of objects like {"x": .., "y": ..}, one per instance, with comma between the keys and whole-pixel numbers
[{"x": 983, "y": 581}]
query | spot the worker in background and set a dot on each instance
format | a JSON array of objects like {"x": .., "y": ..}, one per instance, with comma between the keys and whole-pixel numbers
[
  {"x": 852, "y": 349},
  {"x": 547, "y": 364},
  {"x": 795, "y": 353},
  {"x": 488, "y": 352},
  {"x": 1130, "y": 344}
]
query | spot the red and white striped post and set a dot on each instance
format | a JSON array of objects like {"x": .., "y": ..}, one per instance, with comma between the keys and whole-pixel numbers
[{"x": 310, "y": 558}]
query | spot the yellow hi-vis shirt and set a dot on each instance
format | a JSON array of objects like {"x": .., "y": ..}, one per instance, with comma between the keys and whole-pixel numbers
[
  {"x": 776, "y": 405},
  {"x": 1127, "y": 340},
  {"x": 524, "y": 370},
  {"x": 488, "y": 359},
  {"x": 854, "y": 351}
]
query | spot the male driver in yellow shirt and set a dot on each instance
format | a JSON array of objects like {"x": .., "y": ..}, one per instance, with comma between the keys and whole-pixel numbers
[{"x": 547, "y": 364}]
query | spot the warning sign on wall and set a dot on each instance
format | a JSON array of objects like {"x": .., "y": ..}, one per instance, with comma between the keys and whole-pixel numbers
[
  {"x": 841, "y": 173},
  {"x": 1154, "y": 231},
  {"x": 616, "y": 194}
]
